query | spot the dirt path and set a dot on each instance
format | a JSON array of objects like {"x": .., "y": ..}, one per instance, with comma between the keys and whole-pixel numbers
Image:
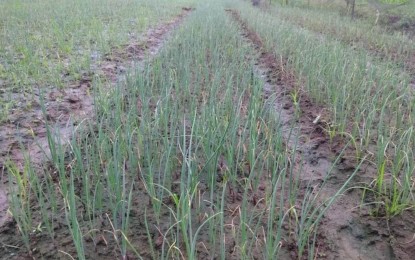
[
  {"x": 25, "y": 133},
  {"x": 346, "y": 231}
]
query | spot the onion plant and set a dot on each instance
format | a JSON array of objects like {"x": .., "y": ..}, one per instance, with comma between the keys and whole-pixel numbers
[{"x": 186, "y": 153}]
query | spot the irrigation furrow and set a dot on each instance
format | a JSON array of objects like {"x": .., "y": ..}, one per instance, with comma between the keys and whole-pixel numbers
[
  {"x": 305, "y": 128},
  {"x": 25, "y": 136},
  {"x": 213, "y": 150}
]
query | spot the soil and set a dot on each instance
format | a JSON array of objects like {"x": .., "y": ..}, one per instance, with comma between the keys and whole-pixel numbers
[
  {"x": 65, "y": 108},
  {"x": 24, "y": 134},
  {"x": 347, "y": 230}
]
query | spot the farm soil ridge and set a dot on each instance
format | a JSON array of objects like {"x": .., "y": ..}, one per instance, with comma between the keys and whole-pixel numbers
[
  {"x": 24, "y": 135},
  {"x": 346, "y": 231}
]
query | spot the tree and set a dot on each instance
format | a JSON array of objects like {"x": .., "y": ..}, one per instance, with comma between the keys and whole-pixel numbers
[{"x": 351, "y": 6}]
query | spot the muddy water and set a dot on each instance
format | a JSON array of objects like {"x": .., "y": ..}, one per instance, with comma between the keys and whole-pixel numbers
[
  {"x": 24, "y": 135},
  {"x": 347, "y": 231}
]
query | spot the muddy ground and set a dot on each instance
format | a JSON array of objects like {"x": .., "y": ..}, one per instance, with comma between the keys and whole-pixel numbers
[
  {"x": 346, "y": 232},
  {"x": 24, "y": 134}
]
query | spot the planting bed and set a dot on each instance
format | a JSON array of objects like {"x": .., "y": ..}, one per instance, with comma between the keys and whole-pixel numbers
[
  {"x": 224, "y": 133},
  {"x": 345, "y": 233}
]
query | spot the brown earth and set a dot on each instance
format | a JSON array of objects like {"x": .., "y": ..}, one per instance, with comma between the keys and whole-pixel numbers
[
  {"x": 347, "y": 230},
  {"x": 24, "y": 134},
  {"x": 345, "y": 233}
]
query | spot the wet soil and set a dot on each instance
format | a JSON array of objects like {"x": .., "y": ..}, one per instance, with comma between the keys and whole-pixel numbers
[
  {"x": 347, "y": 230},
  {"x": 65, "y": 108},
  {"x": 24, "y": 135},
  {"x": 100, "y": 241}
]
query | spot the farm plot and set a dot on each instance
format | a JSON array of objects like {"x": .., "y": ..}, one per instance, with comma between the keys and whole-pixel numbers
[
  {"x": 58, "y": 49},
  {"x": 242, "y": 137},
  {"x": 330, "y": 74},
  {"x": 46, "y": 44}
]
